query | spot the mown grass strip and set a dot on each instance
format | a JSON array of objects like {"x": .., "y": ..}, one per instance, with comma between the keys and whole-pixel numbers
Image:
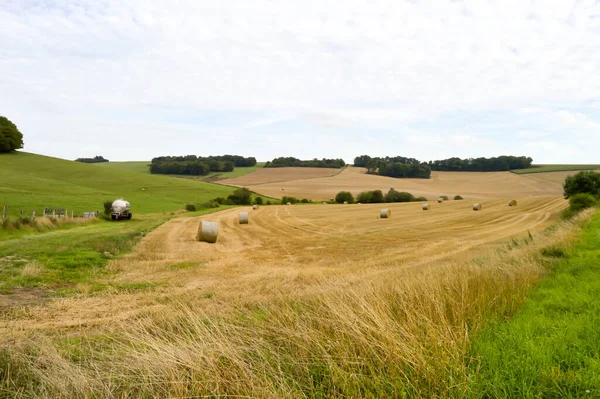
[{"x": 551, "y": 348}]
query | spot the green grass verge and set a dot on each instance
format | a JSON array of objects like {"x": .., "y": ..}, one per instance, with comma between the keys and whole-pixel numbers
[
  {"x": 72, "y": 254},
  {"x": 555, "y": 168},
  {"x": 551, "y": 348},
  {"x": 33, "y": 182}
]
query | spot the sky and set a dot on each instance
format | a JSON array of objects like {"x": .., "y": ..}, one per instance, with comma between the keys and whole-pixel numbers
[{"x": 135, "y": 79}]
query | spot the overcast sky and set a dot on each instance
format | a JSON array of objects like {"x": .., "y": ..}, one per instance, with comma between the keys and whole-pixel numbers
[{"x": 134, "y": 79}]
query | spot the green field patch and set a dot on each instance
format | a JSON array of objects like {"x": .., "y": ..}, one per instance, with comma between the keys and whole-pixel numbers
[
  {"x": 186, "y": 265},
  {"x": 36, "y": 181},
  {"x": 555, "y": 168}
]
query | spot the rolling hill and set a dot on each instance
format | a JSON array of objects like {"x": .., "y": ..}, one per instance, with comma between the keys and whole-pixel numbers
[{"x": 33, "y": 182}]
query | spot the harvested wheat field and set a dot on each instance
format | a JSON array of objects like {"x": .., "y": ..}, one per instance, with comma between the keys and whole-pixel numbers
[
  {"x": 355, "y": 180},
  {"x": 293, "y": 251},
  {"x": 274, "y": 175}
]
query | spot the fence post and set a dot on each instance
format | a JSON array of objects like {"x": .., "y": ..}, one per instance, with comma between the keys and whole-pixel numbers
[
  {"x": 21, "y": 212},
  {"x": 33, "y": 215},
  {"x": 53, "y": 213},
  {"x": 44, "y": 214},
  {"x": 4, "y": 212},
  {"x": 72, "y": 213}
]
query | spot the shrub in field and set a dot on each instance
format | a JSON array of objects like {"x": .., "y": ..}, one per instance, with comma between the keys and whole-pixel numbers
[
  {"x": 420, "y": 199},
  {"x": 107, "y": 207},
  {"x": 398, "y": 196},
  {"x": 190, "y": 207},
  {"x": 268, "y": 202},
  {"x": 578, "y": 202},
  {"x": 305, "y": 201},
  {"x": 457, "y": 197},
  {"x": 291, "y": 200},
  {"x": 219, "y": 200},
  {"x": 344, "y": 196},
  {"x": 586, "y": 181},
  {"x": 370, "y": 197},
  {"x": 241, "y": 196},
  {"x": 209, "y": 204},
  {"x": 444, "y": 197},
  {"x": 258, "y": 200}
]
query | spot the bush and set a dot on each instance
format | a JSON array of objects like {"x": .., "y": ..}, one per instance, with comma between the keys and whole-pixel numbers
[
  {"x": 398, "y": 196},
  {"x": 344, "y": 196},
  {"x": 219, "y": 200},
  {"x": 305, "y": 201},
  {"x": 457, "y": 197},
  {"x": 228, "y": 201},
  {"x": 190, "y": 207},
  {"x": 581, "y": 201},
  {"x": 107, "y": 207},
  {"x": 209, "y": 204},
  {"x": 370, "y": 197},
  {"x": 420, "y": 199},
  {"x": 268, "y": 202},
  {"x": 444, "y": 197},
  {"x": 291, "y": 200},
  {"x": 584, "y": 182},
  {"x": 258, "y": 200},
  {"x": 241, "y": 196}
]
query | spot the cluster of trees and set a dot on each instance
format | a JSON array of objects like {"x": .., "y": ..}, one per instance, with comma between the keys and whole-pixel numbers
[
  {"x": 494, "y": 164},
  {"x": 377, "y": 196},
  {"x": 198, "y": 166},
  {"x": 394, "y": 166},
  {"x": 411, "y": 167},
  {"x": 96, "y": 159},
  {"x": 315, "y": 163},
  {"x": 10, "y": 137}
]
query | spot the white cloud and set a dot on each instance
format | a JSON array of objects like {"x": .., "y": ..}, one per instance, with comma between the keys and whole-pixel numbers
[{"x": 71, "y": 67}]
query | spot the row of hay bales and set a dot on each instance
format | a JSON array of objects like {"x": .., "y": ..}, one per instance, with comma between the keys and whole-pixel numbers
[{"x": 208, "y": 231}]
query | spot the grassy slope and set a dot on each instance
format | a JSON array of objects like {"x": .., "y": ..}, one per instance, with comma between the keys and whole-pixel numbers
[
  {"x": 555, "y": 168},
  {"x": 551, "y": 348},
  {"x": 33, "y": 181},
  {"x": 142, "y": 167}
]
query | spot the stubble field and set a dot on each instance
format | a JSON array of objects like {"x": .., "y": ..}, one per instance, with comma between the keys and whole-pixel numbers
[{"x": 291, "y": 182}]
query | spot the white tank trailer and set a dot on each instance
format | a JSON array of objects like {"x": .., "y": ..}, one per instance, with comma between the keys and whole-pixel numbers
[{"x": 120, "y": 210}]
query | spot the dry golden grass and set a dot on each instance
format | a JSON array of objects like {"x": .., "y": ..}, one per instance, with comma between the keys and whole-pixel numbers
[
  {"x": 391, "y": 332},
  {"x": 355, "y": 180},
  {"x": 275, "y": 175}
]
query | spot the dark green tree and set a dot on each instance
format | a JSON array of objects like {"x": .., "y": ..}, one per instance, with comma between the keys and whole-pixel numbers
[
  {"x": 584, "y": 182},
  {"x": 10, "y": 137},
  {"x": 344, "y": 196}
]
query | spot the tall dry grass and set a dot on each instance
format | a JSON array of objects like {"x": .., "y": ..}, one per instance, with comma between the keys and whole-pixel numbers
[{"x": 400, "y": 334}]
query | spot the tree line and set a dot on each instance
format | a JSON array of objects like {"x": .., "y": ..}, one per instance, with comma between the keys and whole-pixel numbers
[
  {"x": 96, "y": 159},
  {"x": 198, "y": 166},
  {"x": 377, "y": 196},
  {"x": 282, "y": 162},
  {"x": 411, "y": 167}
]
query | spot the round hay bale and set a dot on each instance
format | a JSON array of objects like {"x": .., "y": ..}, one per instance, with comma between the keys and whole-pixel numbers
[
  {"x": 385, "y": 213},
  {"x": 476, "y": 207},
  {"x": 243, "y": 217},
  {"x": 358, "y": 203},
  {"x": 207, "y": 231},
  {"x": 254, "y": 207},
  {"x": 512, "y": 203},
  {"x": 425, "y": 207},
  {"x": 324, "y": 203},
  {"x": 345, "y": 202},
  {"x": 440, "y": 200},
  {"x": 289, "y": 203}
]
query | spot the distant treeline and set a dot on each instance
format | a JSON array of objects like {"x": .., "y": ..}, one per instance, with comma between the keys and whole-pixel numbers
[
  {"x": 96, "y": 159},
  {"x": 198, "y": 166},
  {"x": 411, "y": 167},
  {"x": 282, "y": 162}
]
